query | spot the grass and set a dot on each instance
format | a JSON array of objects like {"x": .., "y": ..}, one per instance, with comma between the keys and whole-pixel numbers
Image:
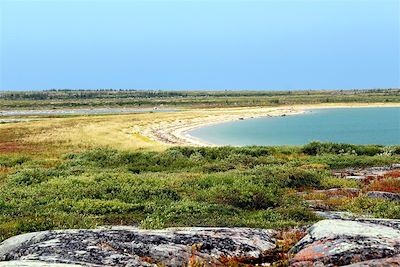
[{"x": 60, "y": 135}]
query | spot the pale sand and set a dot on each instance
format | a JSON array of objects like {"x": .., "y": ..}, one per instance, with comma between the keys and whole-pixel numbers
[{"x": 176, "y": 132}]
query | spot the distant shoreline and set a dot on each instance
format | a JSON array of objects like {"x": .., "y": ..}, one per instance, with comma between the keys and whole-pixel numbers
[{"x": 177, "y": 133}]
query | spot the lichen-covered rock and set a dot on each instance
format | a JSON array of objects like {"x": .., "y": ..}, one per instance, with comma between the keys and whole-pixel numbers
[
  {"x": 130, "y": 246},
  {"x": 383, "y": 195},
  {"x": 343, "y": 242},
  {"x": 386, "y": 262}
]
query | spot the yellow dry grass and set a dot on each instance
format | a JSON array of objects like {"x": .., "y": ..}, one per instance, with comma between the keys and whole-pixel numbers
[
  {"x": 92, "y": 131},
  {"x": 60, "y": 135}
]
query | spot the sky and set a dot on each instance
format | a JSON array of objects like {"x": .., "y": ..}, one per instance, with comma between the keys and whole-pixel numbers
[{"x": 199, "y": 45}]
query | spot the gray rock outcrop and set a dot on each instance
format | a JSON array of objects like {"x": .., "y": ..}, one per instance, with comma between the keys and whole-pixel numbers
[{"x": 130, "y": 246}]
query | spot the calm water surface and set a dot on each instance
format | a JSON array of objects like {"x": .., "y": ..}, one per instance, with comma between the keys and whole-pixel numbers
[{"x": 345, "y": 125}]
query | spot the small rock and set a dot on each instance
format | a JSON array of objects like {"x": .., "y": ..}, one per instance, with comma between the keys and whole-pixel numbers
[
  {"x": 395, "y": 166},
  {"x": 383, "y": 195}
]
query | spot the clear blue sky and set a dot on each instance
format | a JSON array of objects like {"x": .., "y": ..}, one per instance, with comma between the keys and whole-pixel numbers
[{"x": 208, "y": 45}]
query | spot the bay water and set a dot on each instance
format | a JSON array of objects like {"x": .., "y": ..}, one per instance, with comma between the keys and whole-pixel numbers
[{"x": 343, "y": 125}]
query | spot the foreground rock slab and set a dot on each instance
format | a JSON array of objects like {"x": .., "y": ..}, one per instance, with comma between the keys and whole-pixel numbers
[
  {"x": 344, "y": 242},
  {"x": 130, "y": 246}
]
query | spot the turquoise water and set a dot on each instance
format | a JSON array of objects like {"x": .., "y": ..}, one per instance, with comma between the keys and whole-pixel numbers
[{"x": 344, "y": 125}]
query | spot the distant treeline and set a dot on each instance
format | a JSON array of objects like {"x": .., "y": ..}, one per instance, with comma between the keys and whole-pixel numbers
[{"x": 120, "y": 98}]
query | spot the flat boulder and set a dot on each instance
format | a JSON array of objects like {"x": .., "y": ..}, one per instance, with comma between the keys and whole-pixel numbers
[
  {"x": 344, "y": 242},
  {"x": 130, "y": 246}
]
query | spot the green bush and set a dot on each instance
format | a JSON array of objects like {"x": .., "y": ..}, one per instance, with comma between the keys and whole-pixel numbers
[
  {"x": 335, "y": 182},
  {"x": 97, "y": 206},
  {"x": 33, "y": 176},
  {"x": 246, "y": 195},
  {"x": 318, "y": 148}
]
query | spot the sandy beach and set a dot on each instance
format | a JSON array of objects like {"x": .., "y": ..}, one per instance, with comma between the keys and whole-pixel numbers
[{"x": 177, "y": 132}]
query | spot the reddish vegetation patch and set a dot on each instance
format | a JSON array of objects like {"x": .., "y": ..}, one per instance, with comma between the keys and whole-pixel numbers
[
  {"x": 198, "y": 260},
  {"x": 387, "y": 185},
  {"x": 237, "y": 261},
  {"x": 285, "y": 240},
  {"x": 393, "y": 174},
  {"x": 389, "y": 182},
  {"x": 12, "y": 147},
  {"x": 371, "y": 178},
  {"x": 147, "y": 259}
]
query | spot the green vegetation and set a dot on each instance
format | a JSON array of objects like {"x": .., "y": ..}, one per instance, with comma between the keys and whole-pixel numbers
[
  {"x": 378, "y": 208},
  {"x": 181, "y": 186},
  {"x": 138, "y": 98}
]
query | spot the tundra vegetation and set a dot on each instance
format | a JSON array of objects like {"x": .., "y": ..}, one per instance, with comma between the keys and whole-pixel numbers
[
  {"x": 182, "y": 186},
  {"x": 85, "y": 171}
]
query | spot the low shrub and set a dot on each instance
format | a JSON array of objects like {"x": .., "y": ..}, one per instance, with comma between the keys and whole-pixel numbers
[
  {"x": 374, "y": 207},
  {"x": 318, "y": 148},
  {"x": 97, "y": 206},
  {"x": 12, "y": 161},
  {"x": 181, "y": 186},
  {"x": 32, "y": 176}
]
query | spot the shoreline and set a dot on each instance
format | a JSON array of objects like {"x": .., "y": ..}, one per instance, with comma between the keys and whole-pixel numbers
[{"x": 177, "y": 132}]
